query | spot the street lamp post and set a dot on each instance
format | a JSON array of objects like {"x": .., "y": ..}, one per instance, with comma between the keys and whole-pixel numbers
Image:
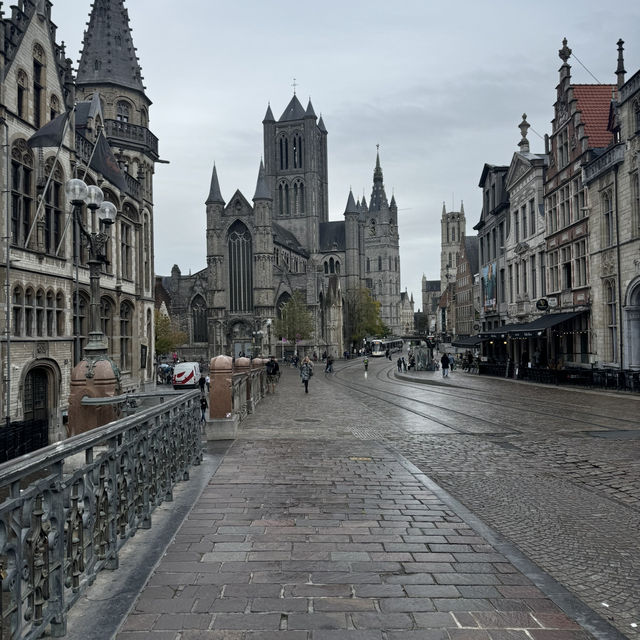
[
  {"x": 79, "y": 193},
  {"x": 96, "y": 375}
]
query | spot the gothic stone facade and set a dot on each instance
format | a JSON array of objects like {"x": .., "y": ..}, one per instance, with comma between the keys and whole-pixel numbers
[{"x": 260, "y": 253}]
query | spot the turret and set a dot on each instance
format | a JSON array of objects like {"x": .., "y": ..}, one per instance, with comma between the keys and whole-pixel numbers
[{"x": 352, "y": 244}]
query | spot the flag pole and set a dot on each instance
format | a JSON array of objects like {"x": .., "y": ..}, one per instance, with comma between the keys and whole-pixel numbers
[
  {"x": 46, "y": 186},
  {"x": 86, "y": 169}
]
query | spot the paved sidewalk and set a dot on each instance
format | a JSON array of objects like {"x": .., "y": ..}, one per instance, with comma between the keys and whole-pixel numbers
[{"x": 313, "y": 533}]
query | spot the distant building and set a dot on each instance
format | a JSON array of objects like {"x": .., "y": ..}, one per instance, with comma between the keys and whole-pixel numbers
[
  {"x": 467, "y": 317},
  {"x": 430, "y": 297}
]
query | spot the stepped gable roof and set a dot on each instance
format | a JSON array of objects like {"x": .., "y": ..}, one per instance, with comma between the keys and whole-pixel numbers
[
  {"x": 332, "y": 236},
  {"x": 594, "y": 101},
  {"x": 472, "y": 251},
  {"x": 294, "y": 111},
  {"x": 285, "y": 238},
  {"x": 108, "y": 55}
]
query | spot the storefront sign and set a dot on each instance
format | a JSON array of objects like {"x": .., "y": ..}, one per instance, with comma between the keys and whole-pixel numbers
[{"x": 542, "y": 304}]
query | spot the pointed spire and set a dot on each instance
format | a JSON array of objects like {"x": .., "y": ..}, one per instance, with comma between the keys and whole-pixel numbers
[
  {"x": 269, "y": 115},
  {"x": 461, "y": 208},
  {"x": 524, "y": 127},
  {"x": 363, "y": 204},
  {"x": 321, "y": 126},
  {"x": 378, "y": 195},
  {"x": 108, "y": 54},
  {"x": 294, "y": 111},
  {"x": 351, "y": 204},
  {"x": 444, "y": 209},
  {"x": 620, "y": 71},
  {"x": 310, "y": 112},
  {"x": 262, "y": 188},
  {"x": 392, "y": 204},
  {"x": 215, "y": 197}
]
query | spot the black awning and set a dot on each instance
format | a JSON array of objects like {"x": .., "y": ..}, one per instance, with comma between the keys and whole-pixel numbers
[
  {"x": 471, "y": 341},
  {"x": 537, "y": 326}
]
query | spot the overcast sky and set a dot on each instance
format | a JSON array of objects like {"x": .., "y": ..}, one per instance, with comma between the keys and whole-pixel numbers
[{"x": 441, "y": 87}]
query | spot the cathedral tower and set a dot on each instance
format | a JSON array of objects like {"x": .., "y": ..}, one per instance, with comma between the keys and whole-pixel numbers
[{"x": 295, "y": 152}]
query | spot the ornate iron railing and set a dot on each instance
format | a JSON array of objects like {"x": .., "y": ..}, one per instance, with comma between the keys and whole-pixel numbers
[{"x": 68, "y": 508}]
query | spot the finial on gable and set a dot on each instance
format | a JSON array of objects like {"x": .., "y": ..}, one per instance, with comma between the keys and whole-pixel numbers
[
  {"x": 524, "y": 128},
  {"x": 565, "y": 52}
]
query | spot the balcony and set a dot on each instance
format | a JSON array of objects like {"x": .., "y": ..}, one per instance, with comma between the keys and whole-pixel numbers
[
  {"x": 131, "y": 136},
  {"x": 605, "y": 162}
]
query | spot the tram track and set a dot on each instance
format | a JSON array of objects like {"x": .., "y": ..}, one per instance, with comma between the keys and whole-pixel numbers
[{"x": 386, "y": 375}]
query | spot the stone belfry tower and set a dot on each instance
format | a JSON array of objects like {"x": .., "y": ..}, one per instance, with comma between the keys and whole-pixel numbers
[
  {"x": 295, "y": 157},
  {"x": 453, "y": 227},
  {"x": 382, "y": 250}
]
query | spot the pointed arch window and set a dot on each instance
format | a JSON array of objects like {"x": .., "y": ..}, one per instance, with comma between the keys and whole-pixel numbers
[
  {"x": 60, "y": 314},
  {"x": 240, "y": 248},
  {"x": 18, "y": 310},
  {"x": 126, "y": 327},
  {"x": 199, "y": 319},
  {"x": 50, "y": 324},
  {"x": 284, "y": 204},
  {"x": 53, "y": 216},
  {"x": 284, "y": 153},
  {"x": 297, "y": 151},
  {"x": 607, "y": 219},
  {"x": 40, "y": 313},
  {"x": 22, "y": 192},
  {"x": 38, "y": 85},
  {"x": 379, "y": 263},
  {"x": 123, "y": 111},
  {"x": 611, "y": 320},
  {"x": 54, "y": 109},
  {"x": 332, "y": 265},
  {"x": 23, "y": 84}
]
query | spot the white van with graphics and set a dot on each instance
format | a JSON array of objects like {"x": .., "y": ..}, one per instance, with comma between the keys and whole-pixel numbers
[{"x": 186, "y": 375}]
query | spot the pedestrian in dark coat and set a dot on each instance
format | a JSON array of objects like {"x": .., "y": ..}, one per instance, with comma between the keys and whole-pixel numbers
[
  {"x": 203, "y": 408},
  {"x": 444, "y": 361}
]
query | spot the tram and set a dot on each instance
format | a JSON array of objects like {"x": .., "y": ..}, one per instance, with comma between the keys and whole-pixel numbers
[{"x": 379, "y": 346}]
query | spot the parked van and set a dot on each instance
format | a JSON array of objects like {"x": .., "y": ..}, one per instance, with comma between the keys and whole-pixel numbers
[{"x": 186, "y": 375}]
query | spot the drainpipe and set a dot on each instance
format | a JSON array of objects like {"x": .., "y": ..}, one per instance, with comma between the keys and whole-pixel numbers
[
  {"x": 7, "y": 268},
  {"x": 621, "y": 331}
]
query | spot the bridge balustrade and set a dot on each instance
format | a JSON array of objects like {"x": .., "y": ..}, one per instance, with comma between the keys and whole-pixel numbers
[{"x": 67, "y": 509}]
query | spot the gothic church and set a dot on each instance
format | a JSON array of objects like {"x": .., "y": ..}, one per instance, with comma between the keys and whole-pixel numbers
[{"x": 259, "y": 253}]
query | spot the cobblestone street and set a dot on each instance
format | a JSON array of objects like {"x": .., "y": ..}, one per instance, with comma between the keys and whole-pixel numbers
[{"x": 320, "y": 525}]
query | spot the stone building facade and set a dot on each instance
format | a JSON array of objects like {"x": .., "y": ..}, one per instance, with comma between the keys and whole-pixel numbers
[
  {"x": 613, "y": 187},
  {"x": 259, "y": 253},
  {"x": 48, "y": 276}
]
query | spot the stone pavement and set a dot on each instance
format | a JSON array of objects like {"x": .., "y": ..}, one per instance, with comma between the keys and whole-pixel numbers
[{"x": 308, "y": 530}]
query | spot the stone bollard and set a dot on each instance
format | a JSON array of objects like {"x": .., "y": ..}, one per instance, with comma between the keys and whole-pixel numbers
[{"x": 221, "y": 374}]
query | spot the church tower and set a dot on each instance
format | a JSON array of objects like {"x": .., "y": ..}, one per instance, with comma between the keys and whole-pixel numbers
[
  {"x": 295, "y": 155},
  {"x": 382, "y": 251},
  {"x": 453, "y": 227}
]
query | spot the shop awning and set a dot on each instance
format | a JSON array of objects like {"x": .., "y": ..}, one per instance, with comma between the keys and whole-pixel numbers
[
  {"x": 471, "y": 341},
  {"x": 530, "y": 329},
  {"x": 541, "y": 324}
]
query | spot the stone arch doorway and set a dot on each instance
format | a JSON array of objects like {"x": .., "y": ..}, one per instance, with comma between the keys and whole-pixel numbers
[
  {"x": 40, "y": 406},
  {"x": 632, "y": 324}
]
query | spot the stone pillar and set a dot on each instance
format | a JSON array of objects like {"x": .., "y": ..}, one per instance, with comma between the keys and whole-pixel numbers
[
  {"x": 93, "y": 379},
  {"x": 221, "y": 375}
]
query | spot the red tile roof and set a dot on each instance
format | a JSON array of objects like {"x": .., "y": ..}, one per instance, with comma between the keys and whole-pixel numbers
[{"x": 594, "y": 101}]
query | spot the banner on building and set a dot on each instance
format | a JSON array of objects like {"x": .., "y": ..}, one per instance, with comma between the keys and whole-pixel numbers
[{"x": 489, "y": 285}]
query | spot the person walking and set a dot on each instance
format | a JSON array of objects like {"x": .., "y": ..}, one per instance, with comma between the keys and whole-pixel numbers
[
  {"x": 404, "y": 365},
  {"x": 208, "y": 381},
  {"x": 273, "y": 369},
  {"x": 329, "y": 367},
  {"x": 399, "y": 363},
  {"x": 203, "y": 408},
  {"x": 306, "y": 371},
  {"x": 444, "y": 361},
  {"x": 202, "y": 382}
]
